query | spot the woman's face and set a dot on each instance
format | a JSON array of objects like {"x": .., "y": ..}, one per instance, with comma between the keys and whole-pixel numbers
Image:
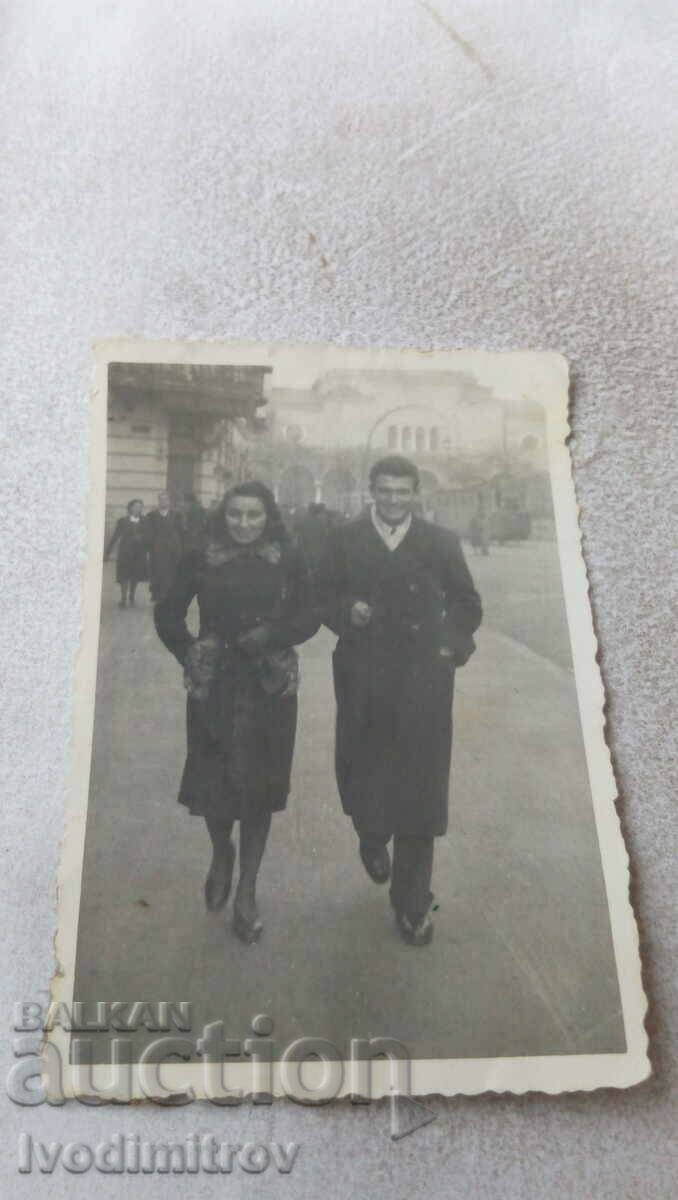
[
  {"x": 245, "y": 519},
  {"x": 137, "y": 508}
]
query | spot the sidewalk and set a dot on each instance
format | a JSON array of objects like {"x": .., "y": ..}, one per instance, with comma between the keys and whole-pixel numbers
[{"x": 521, "y": 961}]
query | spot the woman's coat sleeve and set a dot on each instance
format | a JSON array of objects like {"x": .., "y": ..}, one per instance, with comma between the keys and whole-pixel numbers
[
  {"x": 170, "y": 613},
  {"x": 298, "y": 620}
]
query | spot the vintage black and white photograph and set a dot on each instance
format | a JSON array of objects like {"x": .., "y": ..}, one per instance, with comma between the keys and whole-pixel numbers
[{"x": 339, "y": 755}]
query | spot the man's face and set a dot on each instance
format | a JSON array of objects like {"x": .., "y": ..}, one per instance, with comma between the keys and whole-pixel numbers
[
  {"x": 163, "y": 500},
  {"x": 394, "y": 497}
]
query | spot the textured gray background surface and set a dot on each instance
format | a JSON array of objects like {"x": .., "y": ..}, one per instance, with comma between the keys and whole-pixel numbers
[{"x": 474, "y": 174}]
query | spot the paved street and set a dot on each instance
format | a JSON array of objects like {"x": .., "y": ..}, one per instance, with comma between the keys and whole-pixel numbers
[
  {"x": 521, "y": 962},
  {"x": 522, "y": 596}
]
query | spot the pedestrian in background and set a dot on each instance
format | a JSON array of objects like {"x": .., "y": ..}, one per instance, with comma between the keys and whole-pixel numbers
[
  {"x": 312, "y": 529},
  {"x": 164, "y": 535},
  {"x": 195, "y": 523},
  {"x": 477, "y": 532},
  {"x": 241, "y": 675},
  {"x": 397, "y": 592},
  {"x": 132, "y": 560}
]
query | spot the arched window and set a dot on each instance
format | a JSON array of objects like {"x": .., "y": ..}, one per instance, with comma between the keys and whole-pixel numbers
[
  {"x": 433, "y": 440},
  {"x": 393, "y": 437},
  {"x": 420, "y": 439},
  {"x": 407, "y": 438}
]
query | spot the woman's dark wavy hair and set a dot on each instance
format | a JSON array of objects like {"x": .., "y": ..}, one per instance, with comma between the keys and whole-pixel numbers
[{"x": 274, "y": 530}]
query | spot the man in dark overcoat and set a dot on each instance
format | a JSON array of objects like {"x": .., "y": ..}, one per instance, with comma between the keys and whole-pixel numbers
[
  {"x": 164, "y": 537},
  {"x": 398, "y": 593},
  {"x": 195, "y": 524}
]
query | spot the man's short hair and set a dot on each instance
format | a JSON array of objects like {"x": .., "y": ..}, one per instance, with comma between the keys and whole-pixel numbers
[{"x": 396, "y": 465}]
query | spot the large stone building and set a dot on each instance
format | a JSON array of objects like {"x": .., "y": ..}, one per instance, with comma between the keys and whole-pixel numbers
[
  {"x": 473, "y": 449},
  {"x": 198, "y": 429}
]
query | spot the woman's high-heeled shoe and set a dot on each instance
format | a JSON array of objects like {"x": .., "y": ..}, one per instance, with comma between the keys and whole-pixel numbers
[
  {"x": 218, "y": 881},
  {"x": 247, "y": 930}
]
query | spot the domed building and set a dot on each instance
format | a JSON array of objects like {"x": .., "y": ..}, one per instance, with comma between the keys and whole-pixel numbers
[
  {"x": 473, "y": 448},
  {"x": 191, "y": 429}
]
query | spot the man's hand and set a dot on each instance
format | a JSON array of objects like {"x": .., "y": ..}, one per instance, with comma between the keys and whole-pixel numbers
[{"x": 361, "y": 614}]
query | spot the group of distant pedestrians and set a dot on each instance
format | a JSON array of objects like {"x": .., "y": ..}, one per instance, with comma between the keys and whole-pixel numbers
[{"x": 150, "y": 545}]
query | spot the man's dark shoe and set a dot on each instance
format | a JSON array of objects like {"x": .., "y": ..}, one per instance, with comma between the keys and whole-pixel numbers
[
  {"x": 377, "y": 862},
  {"x": 414, "y": 928},
  {"x": 219, "y": 876}
]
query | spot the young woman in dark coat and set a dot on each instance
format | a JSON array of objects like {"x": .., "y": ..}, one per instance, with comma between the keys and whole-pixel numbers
[
  {"x": 241, "y": 677},
  {"x": 132, "y": 561}
]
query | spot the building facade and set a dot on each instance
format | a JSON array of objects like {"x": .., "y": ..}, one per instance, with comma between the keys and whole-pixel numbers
[
  {"x": 174, "y": 428},
  {"x": 195, "y": 430},
  {"x": 474, "y": 450}
]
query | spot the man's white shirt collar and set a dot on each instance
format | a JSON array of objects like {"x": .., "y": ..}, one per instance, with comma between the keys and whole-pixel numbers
[{"x": 391, "y": 535}]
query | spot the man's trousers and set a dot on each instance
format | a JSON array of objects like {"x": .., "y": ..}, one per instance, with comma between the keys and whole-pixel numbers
[{"x": 411, "y": 871}]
